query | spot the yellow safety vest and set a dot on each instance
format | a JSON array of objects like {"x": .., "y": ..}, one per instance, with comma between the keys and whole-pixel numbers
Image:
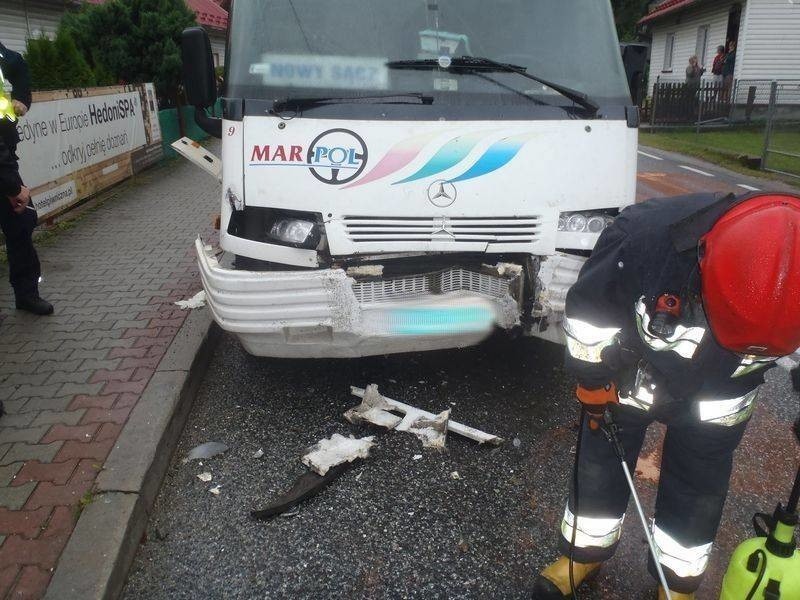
[{"x": 6, "y": 107}]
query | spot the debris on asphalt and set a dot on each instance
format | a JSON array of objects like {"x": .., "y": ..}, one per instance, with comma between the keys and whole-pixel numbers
[
  {"x": 258, "y": 453},
  {"x": 416, "y": 457},
  {"x": 338, "y": 449},
  {"x": 374, "y": 410},
  {"x": 196, "y": 301},
  {"x": 431, "y": 432},
  {"x": 307, "y": 486},
  {"x": 206, "y": 450},
  {"x": 517, "y": 442},
  {"x": 215, "y": 490},
  {"x": 455, "y": 475},
  {"x": 206, "y": 477},
  {"x": 371, "y": 397}
]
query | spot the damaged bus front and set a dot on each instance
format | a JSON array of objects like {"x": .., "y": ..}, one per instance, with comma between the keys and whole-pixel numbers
[{"x": 403, "y": 176}]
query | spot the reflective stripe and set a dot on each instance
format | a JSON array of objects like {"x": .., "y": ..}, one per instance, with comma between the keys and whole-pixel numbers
[
  {"x": 592, "y": 532},
  {"x": 643, "y": 398},
  {"x": 727, "y": 412},
  {"x": 752, "y": 363},
  {"x": 6, "y": 107},
  {"x": 684, "y": 341},
  {"x": 643, "y": 389},
  {"x": 586, "y": 341},
  {"x": 683, "y": 561}
]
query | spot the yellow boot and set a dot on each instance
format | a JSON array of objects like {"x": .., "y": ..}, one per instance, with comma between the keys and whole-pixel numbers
[
  {"x": 675, "y": 595},
  {"x": 553, "y": 582}
]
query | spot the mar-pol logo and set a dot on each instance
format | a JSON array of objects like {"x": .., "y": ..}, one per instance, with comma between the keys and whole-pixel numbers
[{"x": 337, "y": 156}]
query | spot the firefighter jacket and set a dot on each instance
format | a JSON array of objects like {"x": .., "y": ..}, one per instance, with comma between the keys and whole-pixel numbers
[{"x": 652, "y": 249}]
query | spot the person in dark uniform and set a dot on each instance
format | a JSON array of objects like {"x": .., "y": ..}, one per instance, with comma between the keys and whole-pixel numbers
[
  {"x": 17, "y": 216},
  {"x": 681, "y": 308}
]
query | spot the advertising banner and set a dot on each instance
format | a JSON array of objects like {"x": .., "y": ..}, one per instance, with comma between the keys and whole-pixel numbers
[{"x": 75, "y": 143}]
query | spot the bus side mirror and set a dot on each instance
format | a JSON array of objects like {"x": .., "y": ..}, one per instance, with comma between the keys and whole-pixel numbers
[{"x": 199, "y": 79}]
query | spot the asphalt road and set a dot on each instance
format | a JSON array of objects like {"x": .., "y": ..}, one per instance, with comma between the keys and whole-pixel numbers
[{"x": 400, "y": 525}]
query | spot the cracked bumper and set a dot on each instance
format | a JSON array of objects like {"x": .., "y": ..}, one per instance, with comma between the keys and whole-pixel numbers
[{"x": 325, "y": 313}]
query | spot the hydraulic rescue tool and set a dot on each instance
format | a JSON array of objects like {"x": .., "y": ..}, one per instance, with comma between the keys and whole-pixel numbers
[{"x": 768, "y": 566}]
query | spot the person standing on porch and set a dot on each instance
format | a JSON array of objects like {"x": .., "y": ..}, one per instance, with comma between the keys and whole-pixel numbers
[
  {"x": 728, "y": 67},
  {"x": 716, "y": 67}
]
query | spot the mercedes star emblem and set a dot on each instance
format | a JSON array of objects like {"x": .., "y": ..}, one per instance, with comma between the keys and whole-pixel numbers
[{"x": 442, "y": 193}]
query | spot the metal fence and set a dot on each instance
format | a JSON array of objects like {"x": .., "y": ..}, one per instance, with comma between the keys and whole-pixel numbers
[{"x": 782, "y": 131}]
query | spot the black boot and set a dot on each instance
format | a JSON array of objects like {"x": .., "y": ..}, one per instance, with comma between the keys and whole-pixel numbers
[{"x": 35, "y": 304}]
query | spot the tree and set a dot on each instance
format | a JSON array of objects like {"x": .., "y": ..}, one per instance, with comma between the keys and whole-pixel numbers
[
  {"x": 134, "y": 41},
  {"x": 626, "y": 14},
  {"x": 57, "y": 64}
]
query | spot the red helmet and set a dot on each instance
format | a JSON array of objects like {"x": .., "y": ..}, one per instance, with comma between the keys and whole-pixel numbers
[{"x": 750, "y": 273}]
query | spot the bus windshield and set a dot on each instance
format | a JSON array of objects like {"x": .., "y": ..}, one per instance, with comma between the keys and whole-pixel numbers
[{"x": 283, "y": 49}]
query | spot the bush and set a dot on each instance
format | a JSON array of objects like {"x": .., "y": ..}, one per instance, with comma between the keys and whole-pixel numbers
[
  {"x": 133, "y": 41},
  {"x": 57, "y": 64}
]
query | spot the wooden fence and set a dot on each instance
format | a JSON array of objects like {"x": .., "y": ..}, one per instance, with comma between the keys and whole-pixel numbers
[{"x": 683, "y": 104}]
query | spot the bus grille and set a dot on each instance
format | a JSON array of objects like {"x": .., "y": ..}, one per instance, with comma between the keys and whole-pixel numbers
[
  {"x": 440, "y": 282},
  {"x": 486, "y": 230}
]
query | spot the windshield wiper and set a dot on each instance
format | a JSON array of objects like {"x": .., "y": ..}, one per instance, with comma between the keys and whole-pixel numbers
[
  {"x": 477, "y": 63},
  {"x": 305, "y": 103}
]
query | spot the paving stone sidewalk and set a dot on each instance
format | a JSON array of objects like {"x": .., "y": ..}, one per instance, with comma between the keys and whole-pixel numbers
[{"x": 69, "y": 381}]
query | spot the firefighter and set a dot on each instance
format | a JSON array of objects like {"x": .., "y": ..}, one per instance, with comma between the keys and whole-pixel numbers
[
  {"x": 17, "y": 216},
  {"x": 682, "y": 307}
]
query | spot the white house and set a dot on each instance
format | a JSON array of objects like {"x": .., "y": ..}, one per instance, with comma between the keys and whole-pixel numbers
[
  {"x": 24, "y": 19},
  {"x": 767, "y": 33}
]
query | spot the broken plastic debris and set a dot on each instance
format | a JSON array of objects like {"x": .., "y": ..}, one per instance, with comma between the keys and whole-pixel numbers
[
  {"x": 207, "y": 450},
  {"x": 517, "y": 442},
  {"x": 373, "y": 409},
  {"x": 338, "y": 449},
  {"x": 214, "y": 490},
  {"x": 455, "y": 475},
  {"x": 307, "y": 486},
  {"x": 258, "y": 453},
  {"x": 196, "y": 301},
  {"x": 413, "y": 414},
  {"x": 365, "y": 271},
  {"x": 204, "y": 476},
  {"x": 432, "y": 432},
  {"x": 416, "y": 457}
]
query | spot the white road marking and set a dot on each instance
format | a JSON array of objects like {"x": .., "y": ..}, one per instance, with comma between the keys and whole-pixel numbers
[
  {"x": 650, "y": 155},
  {"x": 748, "y": 187},
  {"x": 698, "y": 171}
]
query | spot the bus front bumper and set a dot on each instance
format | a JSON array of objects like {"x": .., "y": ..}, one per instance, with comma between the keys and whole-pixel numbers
[{"x": 326, "y": 313}]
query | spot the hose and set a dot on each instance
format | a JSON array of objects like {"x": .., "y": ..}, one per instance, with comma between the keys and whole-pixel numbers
[
  {"x": 760, "y": 573},
  {"x": 576, "y": 512}
]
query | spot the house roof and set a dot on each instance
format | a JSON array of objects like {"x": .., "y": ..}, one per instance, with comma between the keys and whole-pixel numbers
[
  {"x": 666, "y": 7},
  {"x": 209, "y": 13}
]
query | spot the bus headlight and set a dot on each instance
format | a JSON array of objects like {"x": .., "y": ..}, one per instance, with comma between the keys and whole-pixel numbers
[
  {"x": 292, "y": 231},
  {"x": 584, "y": 222}
]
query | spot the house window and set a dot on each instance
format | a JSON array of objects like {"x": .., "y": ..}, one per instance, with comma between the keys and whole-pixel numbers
[
  {"x": 669, "y": 48},
  {"x": 702, "y": 44}
]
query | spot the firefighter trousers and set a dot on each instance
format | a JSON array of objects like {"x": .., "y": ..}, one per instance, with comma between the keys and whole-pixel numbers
[
  {"x": 696, "y": 464},
  {"x": 23, "y": 262}
]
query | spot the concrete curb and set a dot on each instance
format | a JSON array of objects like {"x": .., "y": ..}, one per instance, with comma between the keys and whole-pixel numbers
[{"x": 102, "y": 547}]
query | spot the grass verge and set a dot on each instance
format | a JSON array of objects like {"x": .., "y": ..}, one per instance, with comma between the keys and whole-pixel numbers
[{"x": 724, "y": 147}]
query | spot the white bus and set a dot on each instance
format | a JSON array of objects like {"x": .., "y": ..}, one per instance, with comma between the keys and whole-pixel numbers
[{"x": 409, "y": 175}]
